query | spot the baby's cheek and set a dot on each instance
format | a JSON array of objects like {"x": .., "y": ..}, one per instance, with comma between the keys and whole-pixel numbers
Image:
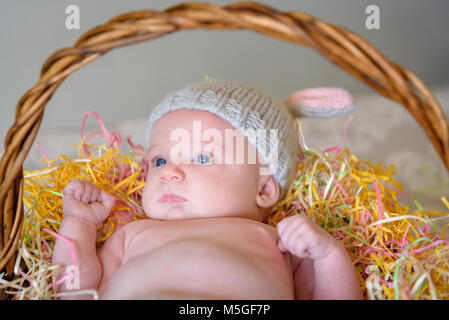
[
  {"x": 146, "y": 200},
  {"x": 235, "y": 201}
]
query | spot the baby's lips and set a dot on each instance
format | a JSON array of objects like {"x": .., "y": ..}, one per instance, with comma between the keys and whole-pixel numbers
[{"x": 171, "y": 198}]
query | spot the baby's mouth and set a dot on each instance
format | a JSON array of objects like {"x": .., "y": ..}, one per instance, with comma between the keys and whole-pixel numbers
[{"x": 171, "y": 198}]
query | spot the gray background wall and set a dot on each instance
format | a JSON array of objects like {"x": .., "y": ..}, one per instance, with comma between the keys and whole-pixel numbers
[{"x": 127, "y": 82}]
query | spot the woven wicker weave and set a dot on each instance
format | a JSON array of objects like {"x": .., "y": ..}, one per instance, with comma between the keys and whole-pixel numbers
[{"x": 346, "y": 49}]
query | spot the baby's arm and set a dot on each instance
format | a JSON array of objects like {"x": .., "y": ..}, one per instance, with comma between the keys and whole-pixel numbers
[
  {"x": 85, "y": 208},
  {"x": 111, "y": 257},
  {"x": 325, "y": 270}
]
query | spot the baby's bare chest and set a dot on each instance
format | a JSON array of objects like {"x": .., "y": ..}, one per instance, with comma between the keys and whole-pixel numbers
[
  {"x": 192, "y": 255},
  {"x": 235, "y": 233}
]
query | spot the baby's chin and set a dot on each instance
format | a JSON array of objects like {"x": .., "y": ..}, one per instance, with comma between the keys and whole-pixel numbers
[
  {"x": 178, "y": 213},
  {"x": 174, "y": 212},
  {"x": 185, "y": 211}
]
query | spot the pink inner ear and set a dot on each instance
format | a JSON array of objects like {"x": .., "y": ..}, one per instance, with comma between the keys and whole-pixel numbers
[{"x": 334, "y": 98}]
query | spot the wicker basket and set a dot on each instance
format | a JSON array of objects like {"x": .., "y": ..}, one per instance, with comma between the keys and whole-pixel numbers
[{"x": 344, "y": 48}]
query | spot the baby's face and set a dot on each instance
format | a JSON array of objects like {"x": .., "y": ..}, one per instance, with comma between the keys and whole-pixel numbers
[{"x": 206, "y": 183}]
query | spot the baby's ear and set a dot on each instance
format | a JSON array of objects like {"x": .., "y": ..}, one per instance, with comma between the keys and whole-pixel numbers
[
  {"x": 268, "y": 192},
  {"x": 320, "y": 102}
]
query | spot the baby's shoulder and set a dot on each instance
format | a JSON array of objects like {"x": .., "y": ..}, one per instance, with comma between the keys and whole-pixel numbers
[
  {"x": 134, "y": 227},
  {"x": 123, "y": 235}
]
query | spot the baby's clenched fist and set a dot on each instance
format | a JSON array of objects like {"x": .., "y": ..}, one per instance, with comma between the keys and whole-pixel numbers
[
  {"x": 300, "y": 236},
  {"x": 84, "y": 200}
]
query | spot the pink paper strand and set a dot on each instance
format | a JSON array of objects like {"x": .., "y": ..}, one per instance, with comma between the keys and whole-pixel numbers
[
  {"x": 72, "y": 250},
  {"x": 111, "y": 139},
  {"x": 345, "y": 134},
  {"x": 339, "y": 186},
  {"x": 45, "y": 153},
  {"x": 138, "y": 149},
  {"x": 430, "y": 246},
  {"x": 404, "y": 239},
  {"x": 338, "y": 148},
  {"x": 68, "y": 275},
  {"x": 27, "y": 279},
  {"x": 384, "y": 282}
]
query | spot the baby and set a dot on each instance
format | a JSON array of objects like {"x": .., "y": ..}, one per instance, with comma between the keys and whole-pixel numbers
[{"x": 206, "y": 195}]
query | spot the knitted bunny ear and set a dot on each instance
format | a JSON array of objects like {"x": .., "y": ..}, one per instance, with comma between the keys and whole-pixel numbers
[{"x": 320, "y": 102}]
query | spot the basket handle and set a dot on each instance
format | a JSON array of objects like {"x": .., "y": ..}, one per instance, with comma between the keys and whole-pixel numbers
[{"x": 346, "y": 49}]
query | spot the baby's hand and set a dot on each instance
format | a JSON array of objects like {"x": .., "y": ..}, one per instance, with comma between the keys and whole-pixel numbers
[
  {"x": 84, "y": 200},
  {"x": 302, "y": 237}
]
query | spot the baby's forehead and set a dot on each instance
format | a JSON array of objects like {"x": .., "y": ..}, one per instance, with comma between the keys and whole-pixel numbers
[
  {"x": 193, "y": 126},
  {"x": 190, "y": 119},
  {"x": 193, "y": 114}
]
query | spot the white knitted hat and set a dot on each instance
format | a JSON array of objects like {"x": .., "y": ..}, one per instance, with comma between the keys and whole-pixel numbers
[{"x": 249, "y": 109}]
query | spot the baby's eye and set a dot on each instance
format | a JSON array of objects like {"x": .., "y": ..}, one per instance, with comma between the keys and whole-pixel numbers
[
  {"x": 203, "y": 158},
  {"x": 159, "y": 162}
]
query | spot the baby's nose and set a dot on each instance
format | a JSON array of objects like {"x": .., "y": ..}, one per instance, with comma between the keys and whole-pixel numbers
[{"x": 172, "y": 172}]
